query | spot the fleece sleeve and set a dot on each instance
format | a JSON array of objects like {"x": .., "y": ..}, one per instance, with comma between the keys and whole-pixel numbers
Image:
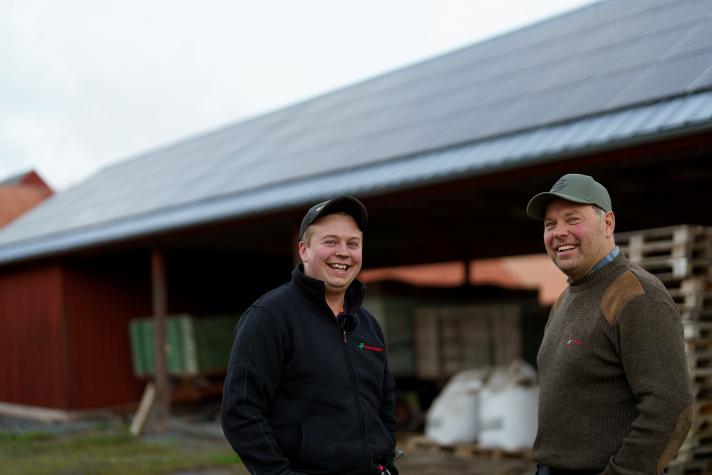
[
  {"x": 652, "y": 352},
  {"x": 387, "y": 412},
  {"x": 254, "y": 373},
  {"x": 388, "y": 406}
]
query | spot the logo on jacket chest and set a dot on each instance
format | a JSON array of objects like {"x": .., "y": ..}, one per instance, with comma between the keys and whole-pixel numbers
[{"x": 367, "y": 347}]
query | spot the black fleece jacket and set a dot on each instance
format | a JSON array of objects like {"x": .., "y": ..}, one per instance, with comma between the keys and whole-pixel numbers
[{"x": 307, "y": 392}]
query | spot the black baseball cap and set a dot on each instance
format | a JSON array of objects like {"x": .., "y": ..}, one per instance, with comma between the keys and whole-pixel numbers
[
  {"x": 572, "y": 187},
  {"x": 341, "y": 204}
]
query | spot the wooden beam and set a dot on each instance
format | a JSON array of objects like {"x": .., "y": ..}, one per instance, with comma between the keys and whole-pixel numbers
[
  {"x": 148, "y": 400},
  {"x": 160, "y": 309}
]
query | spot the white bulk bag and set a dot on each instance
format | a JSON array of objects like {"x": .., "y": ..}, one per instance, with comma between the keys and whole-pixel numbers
[
  {"x": 508, "y": 408},
  {"x": 453, "y": 415}
]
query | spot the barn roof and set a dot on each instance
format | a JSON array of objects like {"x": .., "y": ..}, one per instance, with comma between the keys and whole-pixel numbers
[{"x": 608, "y": 74}]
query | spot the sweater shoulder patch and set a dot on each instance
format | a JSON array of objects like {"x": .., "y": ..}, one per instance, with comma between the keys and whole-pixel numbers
[{"x": 618, "y": 294}]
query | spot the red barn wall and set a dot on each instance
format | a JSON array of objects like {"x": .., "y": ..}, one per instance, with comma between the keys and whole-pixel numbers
[
  {"x": 101, "y": 298},
  {"x": 64, "y": 340},
  {"x": 33, "y": 363}
]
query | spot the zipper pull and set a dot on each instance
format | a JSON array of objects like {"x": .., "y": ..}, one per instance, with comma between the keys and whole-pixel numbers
[{"x": 343, "y": 332}]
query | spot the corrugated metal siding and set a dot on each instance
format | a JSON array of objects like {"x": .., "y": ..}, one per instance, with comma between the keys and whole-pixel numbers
[
  {"x": 32, "y": 363},
  {"x": 100, "y": 302}
]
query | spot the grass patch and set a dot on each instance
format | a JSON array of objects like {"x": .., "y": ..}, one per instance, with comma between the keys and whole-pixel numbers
[{"x": 106, "y": 452}]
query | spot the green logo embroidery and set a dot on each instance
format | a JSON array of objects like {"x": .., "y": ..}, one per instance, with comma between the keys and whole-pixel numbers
[{"x": 365, "y": 346}]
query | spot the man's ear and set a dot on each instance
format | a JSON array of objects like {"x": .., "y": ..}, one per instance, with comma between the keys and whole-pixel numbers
[
  {"x": 302, "y": 250},
  {"x": 610, "y": 223}
]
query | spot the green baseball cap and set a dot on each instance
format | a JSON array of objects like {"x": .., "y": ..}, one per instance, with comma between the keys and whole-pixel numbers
[{"x": 572, "y": 187}]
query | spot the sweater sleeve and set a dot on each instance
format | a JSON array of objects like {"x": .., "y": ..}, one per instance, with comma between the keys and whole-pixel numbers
[
  {"x": 652, "y": 353},
  {"x": 253, "y": 376}
]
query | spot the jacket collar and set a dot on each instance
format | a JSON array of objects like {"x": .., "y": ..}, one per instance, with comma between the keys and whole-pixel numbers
[{"x": 316, "y": 290}]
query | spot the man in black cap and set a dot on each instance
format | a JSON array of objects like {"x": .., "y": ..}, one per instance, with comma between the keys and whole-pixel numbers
[
  {"x": 614, "y": 391},
  {"x": 308, "y": 390}
]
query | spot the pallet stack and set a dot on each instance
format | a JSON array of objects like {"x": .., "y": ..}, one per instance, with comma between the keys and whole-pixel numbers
[
  {"x": 468, "y": 449},
  {"x": 681, "y": 257}
]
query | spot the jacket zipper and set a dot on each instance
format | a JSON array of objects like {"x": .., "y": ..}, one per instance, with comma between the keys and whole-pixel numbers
[{"x": 357, "y": 398}]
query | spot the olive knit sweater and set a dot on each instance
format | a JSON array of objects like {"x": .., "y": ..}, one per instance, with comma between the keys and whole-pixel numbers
[{"x": 614, "y": 384}]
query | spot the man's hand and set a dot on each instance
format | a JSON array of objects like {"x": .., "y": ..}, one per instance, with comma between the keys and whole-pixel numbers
[{"x": 388, "y": 469}]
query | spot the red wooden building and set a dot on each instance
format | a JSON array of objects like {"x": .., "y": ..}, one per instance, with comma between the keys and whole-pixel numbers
[{"x": 21, "y": 193}]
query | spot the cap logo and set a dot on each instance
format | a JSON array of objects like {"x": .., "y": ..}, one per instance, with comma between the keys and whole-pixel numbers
[{"x": 559, "y": 185}]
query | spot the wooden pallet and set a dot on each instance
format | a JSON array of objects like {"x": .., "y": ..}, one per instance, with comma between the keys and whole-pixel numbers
[
  {"x": 701, "y": 376},
  {"x": 700, "y": 391},
  {"x": 704, "y": 449},
  {"x": 698, "y": 356},
  {"x": 697, "y": 331},
  {"x": 674, "y": 268},
  {"x": 703, "y": 406},
  {"x": 692, "y": 467},
  {"x": 694, "y": 440},
  {"x": 468, "y": 449},
  {"x": 670, "y": 253},
  {"x": 701, "y": 423},
  {"x": 701, "y": 383},
  {"x": 673, "y": 241},
  {"x": 494, "y": 453},
  {"x": 692, "y": 301},
  {"x": 695, "y": 454},
  {"x": 690, "y": 285},
  {"x": 697, "y": 345},
  {"x": 696, "y": 315}
]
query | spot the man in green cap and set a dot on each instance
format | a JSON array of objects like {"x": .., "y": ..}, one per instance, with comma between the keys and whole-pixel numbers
[{"x": 614, "y": 391}]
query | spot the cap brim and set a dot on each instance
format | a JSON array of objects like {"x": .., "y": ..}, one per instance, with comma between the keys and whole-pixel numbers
[{"x": 537, "y": 206}]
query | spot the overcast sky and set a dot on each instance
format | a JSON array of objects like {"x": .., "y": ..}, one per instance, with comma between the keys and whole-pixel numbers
[{"x": 86, "y": 83}]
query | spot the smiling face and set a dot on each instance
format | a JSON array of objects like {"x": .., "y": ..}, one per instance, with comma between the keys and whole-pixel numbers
[
  {"x": 577, "y": 236},
  {"x": 332, "y": 252}
]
